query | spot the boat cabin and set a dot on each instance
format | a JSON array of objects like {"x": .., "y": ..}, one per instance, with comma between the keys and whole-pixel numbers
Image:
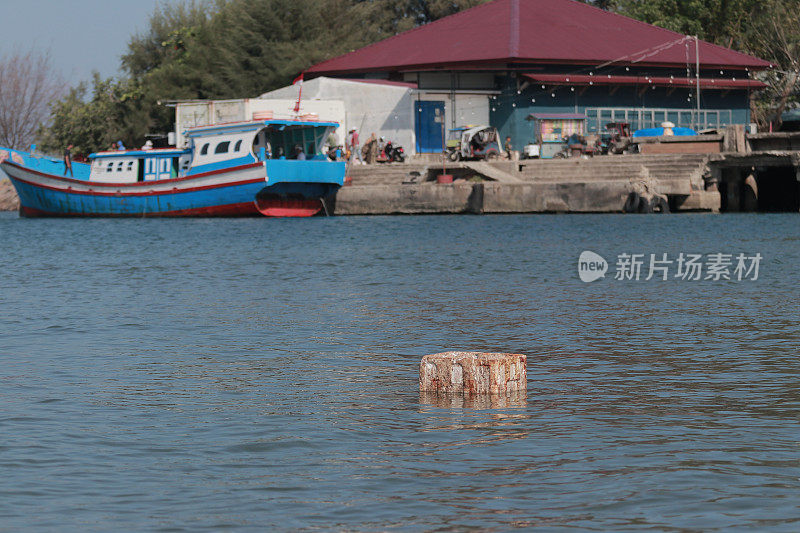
[
  {"x": 132, "y": 166},
  {"x": 225, "y": 145},
  {"x": 217, "y": 147}
]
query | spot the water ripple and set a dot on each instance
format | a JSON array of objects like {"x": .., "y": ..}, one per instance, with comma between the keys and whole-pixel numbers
[{"x": 191, "y": 375}]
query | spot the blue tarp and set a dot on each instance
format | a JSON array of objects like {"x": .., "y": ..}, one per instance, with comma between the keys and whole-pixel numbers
[{"x": 658, "y": 132}]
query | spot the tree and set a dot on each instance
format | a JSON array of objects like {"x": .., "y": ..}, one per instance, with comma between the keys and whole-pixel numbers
[
  {"x": 774, "y": 34},
  {"x": 608, "y": 5},
  {"x": 28, "y": 84},
  {"x": 171, "y": 28},
  {"x": 91, "y": 118},
  {"x": 401, "y": 15},
  {"x": 717, "y": 21}
]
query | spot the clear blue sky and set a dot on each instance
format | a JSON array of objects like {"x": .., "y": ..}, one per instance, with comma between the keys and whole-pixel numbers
[{"x": 82, "y": 35}]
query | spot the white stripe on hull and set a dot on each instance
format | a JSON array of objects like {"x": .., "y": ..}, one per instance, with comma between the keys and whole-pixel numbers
[{"x": 155, "y": 187}]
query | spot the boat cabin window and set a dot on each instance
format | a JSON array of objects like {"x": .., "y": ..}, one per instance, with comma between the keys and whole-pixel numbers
[
  {"x": 284, "y": 142},
  {"x": 238, "y": 146},
  {"x": 222, "y": 148},
  {"x": 119, "y": 169},
  {"x": 204, "y": 149}
]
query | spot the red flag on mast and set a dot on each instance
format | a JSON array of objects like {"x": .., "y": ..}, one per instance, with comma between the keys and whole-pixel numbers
[{"x": 298, "y": 79}]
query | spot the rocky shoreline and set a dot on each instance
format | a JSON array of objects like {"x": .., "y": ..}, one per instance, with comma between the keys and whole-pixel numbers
[{"x": 9, "y": 201}]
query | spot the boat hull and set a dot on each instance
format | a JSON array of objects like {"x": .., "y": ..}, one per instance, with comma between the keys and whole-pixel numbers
[{"x": 227, "y": 193}]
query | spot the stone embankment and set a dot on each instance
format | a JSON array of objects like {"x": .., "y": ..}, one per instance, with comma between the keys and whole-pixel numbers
[{"x": 9, "y": 201}]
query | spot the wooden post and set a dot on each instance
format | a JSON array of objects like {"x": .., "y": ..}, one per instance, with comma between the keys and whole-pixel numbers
[{"x": 473, "y": 373}]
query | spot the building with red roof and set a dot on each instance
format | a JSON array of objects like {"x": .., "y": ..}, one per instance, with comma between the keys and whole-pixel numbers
[{"x": 509, "y": 59}]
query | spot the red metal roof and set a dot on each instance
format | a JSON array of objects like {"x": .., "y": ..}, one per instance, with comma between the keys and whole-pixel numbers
[
  {"x": 658, "y": 81},
  {"x": 541, "y": 31}
]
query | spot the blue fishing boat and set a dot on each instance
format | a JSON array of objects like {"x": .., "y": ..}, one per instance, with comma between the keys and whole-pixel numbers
[{"x": 259, "y": 167}]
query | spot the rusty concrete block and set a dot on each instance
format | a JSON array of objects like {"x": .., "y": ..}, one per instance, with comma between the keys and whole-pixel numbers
[
  {"x": 473, "y": 373},
  {"x": 509, "y": 400}
]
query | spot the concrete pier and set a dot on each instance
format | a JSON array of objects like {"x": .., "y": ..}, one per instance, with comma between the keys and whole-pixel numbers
[
  {"x": 732, "y": 171},
  {"x": 598, "y": 185}
]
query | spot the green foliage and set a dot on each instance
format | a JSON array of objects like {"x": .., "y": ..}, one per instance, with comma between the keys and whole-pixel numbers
[
  {"x": 93, "y": 118},
  {"x": 713, "y": 20},
  {"x": 773, "y": 33},
  {"x": 608, "y": 5},
  {"x": 171, "y": 29},
  {"x": 395, "y": 16}
]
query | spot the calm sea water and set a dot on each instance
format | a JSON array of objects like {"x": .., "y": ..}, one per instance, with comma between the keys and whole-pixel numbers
[{"x": 186, "y": 375}]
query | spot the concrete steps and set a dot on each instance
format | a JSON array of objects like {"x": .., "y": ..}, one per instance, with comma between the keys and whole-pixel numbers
[
  {"x": 676, "y": 172},
  {"x": 384, "y": 174}
]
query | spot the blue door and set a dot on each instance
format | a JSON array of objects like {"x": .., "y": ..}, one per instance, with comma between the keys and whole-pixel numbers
[
  {"x": 430, "y": 124},
  {"x": 158, "y": 168}
]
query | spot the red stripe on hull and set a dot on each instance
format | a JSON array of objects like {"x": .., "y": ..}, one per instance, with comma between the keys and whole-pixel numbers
[
  {"x": 281, "y": 207},
  {"x": 246, "y": 209}
]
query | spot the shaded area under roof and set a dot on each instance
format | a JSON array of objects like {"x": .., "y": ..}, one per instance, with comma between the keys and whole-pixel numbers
[
  {"x": 555, "y": 116},
  {"x": 541, "y": 31}
]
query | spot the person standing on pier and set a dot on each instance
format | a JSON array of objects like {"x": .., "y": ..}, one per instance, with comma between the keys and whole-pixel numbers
[
  {"x": 508, "y": 148},
  {"x": 68, "y": 161},
  {"x": 354, "y": 146}
]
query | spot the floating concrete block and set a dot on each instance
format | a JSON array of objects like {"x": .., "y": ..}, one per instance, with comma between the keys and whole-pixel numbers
[{"x": 473, "y": 373}]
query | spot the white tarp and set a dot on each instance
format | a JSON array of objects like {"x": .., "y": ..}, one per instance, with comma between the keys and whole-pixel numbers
[{"x": 206, "y": 112}]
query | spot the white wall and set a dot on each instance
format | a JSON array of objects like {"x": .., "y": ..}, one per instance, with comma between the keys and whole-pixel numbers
[
  {"x": 115, "y": 169},
  {"x": 386, "y": 110}
]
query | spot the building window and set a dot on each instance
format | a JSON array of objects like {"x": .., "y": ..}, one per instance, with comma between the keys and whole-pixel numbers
[
  {"x": 222, "y": 148},
  {"x": 238, "y": 146},
  {"x": 204, "y": 149}
]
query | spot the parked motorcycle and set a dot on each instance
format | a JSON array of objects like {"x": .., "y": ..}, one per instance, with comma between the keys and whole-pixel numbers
[{"x": 392, "y": 153}]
